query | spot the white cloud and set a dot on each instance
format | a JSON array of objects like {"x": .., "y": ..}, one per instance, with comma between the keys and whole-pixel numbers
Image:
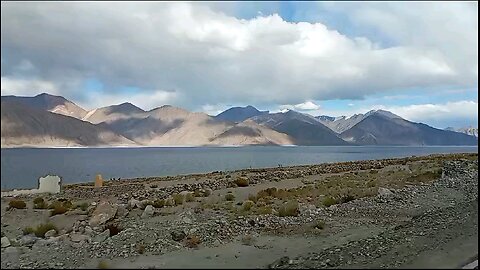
[
  {"x": 305, "y": 106},
  {"x": 146, "y": 101},
  {"x": 208, "y": 57},
  {"x": 24, "y": 87}
]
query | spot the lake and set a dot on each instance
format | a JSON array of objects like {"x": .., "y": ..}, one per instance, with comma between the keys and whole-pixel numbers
[{"x": 21, "y": 167}]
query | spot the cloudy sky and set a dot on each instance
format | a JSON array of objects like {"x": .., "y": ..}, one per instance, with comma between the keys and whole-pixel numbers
[{"x": 418, "y": 60}]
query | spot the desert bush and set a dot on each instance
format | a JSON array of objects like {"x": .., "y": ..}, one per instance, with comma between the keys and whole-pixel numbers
[
  {"x": 178, "y": 198},
  {"x": 192, "y": 241},
  {"x": 83, "y": 206},
  {"x": 346, "y": 198},
  {"x": 208, "y": 192},
  {"x": 140, "y": 248},
  {"x": 170, "y": 202},
  {"x": 289, "y": 209},
  {"x": 264, "y": 210},
  {"x": 328, "y": 201},
  {"x": 38, "y": 200},
  {"x": 252, "y": 198},
  {"x": 28, "y": 230},
  {"x": 158, "y": 203},
  {"x": 189, "y": 197},
  {"x": 41, "y": 229},
  {"x": 247, "y": 205},
  {"x": 248, "y": 240},
  {"x": 242, "y": 181},
  {"x": 58, "y": 210},
  {"x": 229, "y": 197},
  {"x": 18, "y": 204},
  {"x": 153, "y": 186},
  {"x": 40, "y": 205}
]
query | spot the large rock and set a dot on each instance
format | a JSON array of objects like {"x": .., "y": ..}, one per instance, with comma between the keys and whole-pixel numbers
[
  {"x": 134, "y": 203},
  {"x": 122, "y": 211},
  {"x": 148, "y": 212},
  {"x": 28, "y": 240},
  {"x": 65, "y": 223},
  {"x": 5, "y": 242},
  {"x": 103, "y": 213},
  {"x": 77, "y": 237},
  {"x": 384, "y": 192}
]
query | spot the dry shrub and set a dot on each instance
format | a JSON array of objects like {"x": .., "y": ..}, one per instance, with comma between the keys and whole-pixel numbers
[
  {"x": 247, "y": 205},
  {"x": 178, "y": 198},
  {"x": 242, "y": 182},
  {"x": 229, "y": 197},
  {"x": 328, "y": 201},
  {"x": 248, "y": 240},
  {"x": 18, "y": 204},
  {"x": 158, "y": 203},
  {"x": 290, "y": 208},
  {"x": 192, "y": 241},
  {"x": 189, "y": 197}
]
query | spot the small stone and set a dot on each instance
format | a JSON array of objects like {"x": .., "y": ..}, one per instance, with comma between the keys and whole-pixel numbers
[
  {"x": 148, "y": 212},
  {"x": 178, "y": 235},
  {"x": 50, "y": 233},
  {"x": 5, "y": 242}
]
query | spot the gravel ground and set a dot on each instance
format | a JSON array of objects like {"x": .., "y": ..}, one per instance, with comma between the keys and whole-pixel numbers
[{"x": 427, "y": 226}]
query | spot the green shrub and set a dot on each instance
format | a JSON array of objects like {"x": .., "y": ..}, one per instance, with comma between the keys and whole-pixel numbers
[
  {"x": 28, "y": 230},
  {"x": 18, "y": 204},
  {"x": 252, "y": 198},
  {"x": 247, "y": 205},
  {"x": 189, "y": 197},
  {"x": 229, "y": 197},
  {"x": 242, "y": 181},
  {"x": 41, "y": 229},
  {"x": 83, "y": 206},
  {"x": 38, "y": 200},
  {"x": 178, "y": 198},
  {"x": 158, "y": 203},
  {"x": 328, "y": 201},
  {"x": 290, "y": 208},
  {"x": 40, "y": 205},
  {"x": 264, "y": 210},
  {"x": 170, "y": 202},
  {"x": 140, "y": 248}
]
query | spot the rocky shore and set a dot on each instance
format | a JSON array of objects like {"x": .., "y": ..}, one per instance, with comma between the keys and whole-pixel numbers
[{"x": 406, "y": 212}]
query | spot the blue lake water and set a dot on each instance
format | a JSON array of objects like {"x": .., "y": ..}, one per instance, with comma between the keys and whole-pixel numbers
[{"x": 20, "y": 168}]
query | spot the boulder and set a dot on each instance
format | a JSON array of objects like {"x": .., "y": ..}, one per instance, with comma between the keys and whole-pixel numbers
[
  {"x": 134, "y": 203},
  {"x": 122, "y": 211},
  {"x": 5, "y": 242},
  {"x": 103, "y": 213},
  {"x": 148, "y": 212}
]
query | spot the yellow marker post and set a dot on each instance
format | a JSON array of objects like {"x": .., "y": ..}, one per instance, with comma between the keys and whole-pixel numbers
[{"x": 98, "y": 181}]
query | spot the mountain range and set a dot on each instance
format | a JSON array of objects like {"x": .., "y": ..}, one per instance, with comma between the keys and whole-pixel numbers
[{"x": 47, "y": 121}]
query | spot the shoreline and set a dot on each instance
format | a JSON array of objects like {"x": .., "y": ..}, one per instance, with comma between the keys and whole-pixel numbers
[{"x": 203, "y": 174}]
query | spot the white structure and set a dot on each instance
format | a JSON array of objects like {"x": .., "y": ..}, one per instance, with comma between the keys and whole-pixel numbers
[
  {"x": 46, "y": 184},
  {"x": 50, "y": 184}
]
